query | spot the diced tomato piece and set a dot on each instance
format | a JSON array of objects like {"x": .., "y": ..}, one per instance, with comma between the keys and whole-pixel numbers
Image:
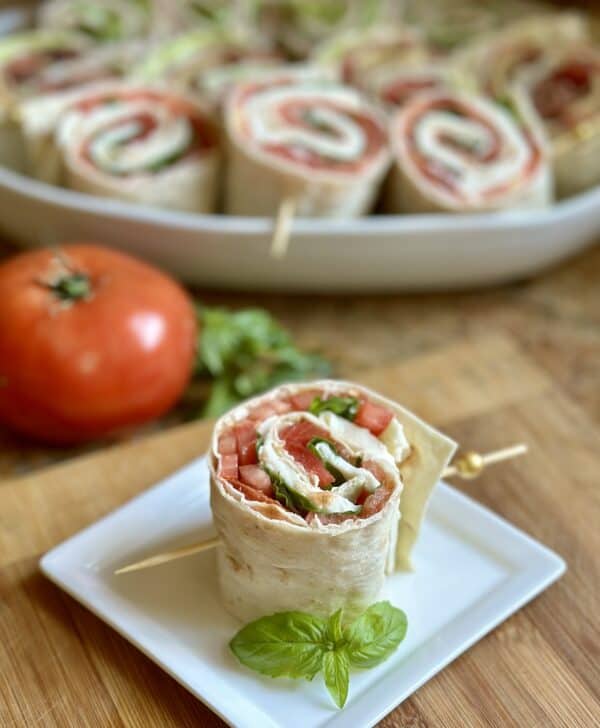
[
  {"x": 311, "y": 463},
  {"x": 296, "y": 438},
  {"x": 375, "y": 502},
  {"x": 303, "y": 400},
  {"x": 255, "y": 476},
  {"x": 245, "y": 435},
  {"x": 229, "y": 467},
  {"x": 262, "y": 412},
  {"x": 302, "y": 432},
  {"x": 373, "y": 417},
  {"x": 254, "y": 494},
  {"x": 227, "y": 444}
]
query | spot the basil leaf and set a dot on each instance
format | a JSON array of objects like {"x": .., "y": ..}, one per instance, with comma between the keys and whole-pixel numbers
[
  {"x": 335, "y": 631},
  {"x": 375, "y": 634},
  {"x": 288, "y": 496},
  {"x": 346, "y": 407},
  {"x": 336, "y": 672},
  {"x": 247, "y": 352},
  {"x": 287, "y": 644}
]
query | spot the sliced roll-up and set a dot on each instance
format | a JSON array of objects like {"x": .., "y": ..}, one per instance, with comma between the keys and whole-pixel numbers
[
  {"x": 460, "y": 153},
  {"x": 318, "y": 491},
  {"x": 140, "y": 144},
  {"x": 320, "y": 143},
  {"x": 64, "y": 80},
  {"x": 355, "y": 54},
  {"x": 30, "y": 63},
  {"x": 102, "y": 21},
  {"x": 564, "y": 89},
  {"x": 495, "y": 60}
]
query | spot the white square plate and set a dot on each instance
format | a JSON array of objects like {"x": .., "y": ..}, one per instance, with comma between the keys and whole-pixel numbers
[{"x": 473, "y": 570}]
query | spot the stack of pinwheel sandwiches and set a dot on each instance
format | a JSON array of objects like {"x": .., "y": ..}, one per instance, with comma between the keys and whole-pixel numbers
[{"x": 228, "y": 107}]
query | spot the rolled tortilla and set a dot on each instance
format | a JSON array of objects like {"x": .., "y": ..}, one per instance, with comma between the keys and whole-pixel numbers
[
  {"x": 564, "y": 89},
  {"x": 320, "y": 143},
  {"x": 29, "y": 63},
  {"x": 460, "y": 153},
  {"x": 64, "y": 83},
  {"x": 102, "y": 21},
  {"x": 326, "y": 504},
  {"x": 497, "y": 58},
  {"x": 140, "y": 144}
]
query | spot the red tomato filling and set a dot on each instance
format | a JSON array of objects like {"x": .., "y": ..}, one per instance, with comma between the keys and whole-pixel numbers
[
  {"x": 205, "y": 135},
  {"x": 439, "y": 173},
  {"x": 296, "y": 438},
  {"x": 298, "y": 113},
  {"x": 401, "y": 91},
  {"x": 553, "y": 95},
  {"x": 238, "y": 461},
  {"x": 26, "y": 68}
]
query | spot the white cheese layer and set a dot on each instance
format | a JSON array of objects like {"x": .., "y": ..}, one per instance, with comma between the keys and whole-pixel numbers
[
  {"x": 113, "y": 129},
  {"x": 446, "y": 138},
  {"x": 331, "y": 132},
  {"x": 274, "y": 457}
]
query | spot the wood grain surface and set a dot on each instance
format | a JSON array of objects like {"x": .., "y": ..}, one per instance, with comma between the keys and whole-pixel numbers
[{"x": 60, "y": 666}]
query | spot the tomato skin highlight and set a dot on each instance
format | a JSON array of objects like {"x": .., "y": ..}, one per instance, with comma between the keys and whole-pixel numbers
[
  {"x": 255, "y": 477},
  {"x": 373, "y": 417},
  {"x": 72, "y": 371},
  {"x": 296, "y": 438},
  {"x": 245, "y": 435}
]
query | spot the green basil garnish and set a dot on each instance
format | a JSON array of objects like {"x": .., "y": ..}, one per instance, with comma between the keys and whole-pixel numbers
[
  {"x": 346, "y": 407},
  {"x": 300, "y": 645}
]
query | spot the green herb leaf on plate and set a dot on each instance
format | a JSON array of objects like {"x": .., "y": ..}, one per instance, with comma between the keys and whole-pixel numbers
[
  {"x": 376, "y": 634},
  {"x": 287, "y": 644},
  {"x": 336, "y": 672}
]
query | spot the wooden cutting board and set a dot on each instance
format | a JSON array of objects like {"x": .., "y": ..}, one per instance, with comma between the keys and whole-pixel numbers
[{"x": 61, "y": 666}]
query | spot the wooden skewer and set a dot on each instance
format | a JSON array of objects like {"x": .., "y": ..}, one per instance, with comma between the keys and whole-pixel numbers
[
  {"x": 283, "y": 227},
  {"x": 469, "y": 466},
  {"x": 179, "y": 553}
]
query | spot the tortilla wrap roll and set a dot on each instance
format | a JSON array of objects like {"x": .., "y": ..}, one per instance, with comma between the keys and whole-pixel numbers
[
  {"x": 30, "y": 63},
  {"x": 455, "y": 152},
  {"x": 39, "y": 114},
  {"x": 142, "y": 145},
  {"x": 102, "y": 21},
  {"x": 496, "y": 59},
  {"x": 563, "y": 88},
  {"x": 318, "y": 491},
  {"x": 320, "y": 143}
]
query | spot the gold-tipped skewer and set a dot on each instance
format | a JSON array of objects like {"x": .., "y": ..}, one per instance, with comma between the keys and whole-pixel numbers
[{"x": 468, "y": 466}]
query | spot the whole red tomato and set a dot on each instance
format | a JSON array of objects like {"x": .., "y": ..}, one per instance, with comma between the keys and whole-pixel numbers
[{"x": 91, "y": 341}]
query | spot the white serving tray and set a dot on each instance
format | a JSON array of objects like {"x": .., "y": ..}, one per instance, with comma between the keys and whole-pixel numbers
[
  {"x": 372, "y": 254},
  {"x": 473, "y": 570}
]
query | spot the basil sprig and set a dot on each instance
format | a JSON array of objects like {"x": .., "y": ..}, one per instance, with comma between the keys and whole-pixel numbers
[
  {"x": 300, "y": 645},
  {"x": 346, "y": 407},
  {"x": 242, "y": 353}
]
